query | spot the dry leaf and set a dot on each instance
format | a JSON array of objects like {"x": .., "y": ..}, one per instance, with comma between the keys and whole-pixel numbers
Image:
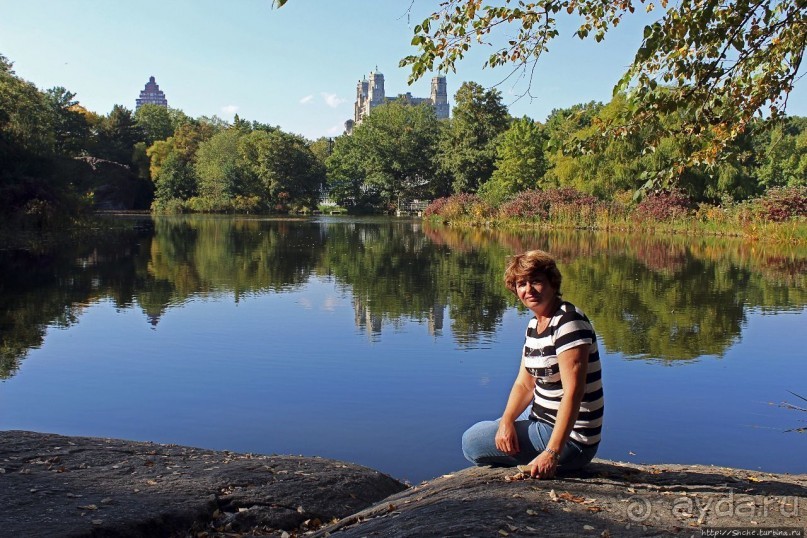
[
  {"x": 588, "y": 528},
  {"x": 88, "y": 507},
  {"x": 594, "y": 509},
  {"x": 504, "y": 532},
  {"x": 566, "y": 496},
  {"x": 553, "y": 495}
]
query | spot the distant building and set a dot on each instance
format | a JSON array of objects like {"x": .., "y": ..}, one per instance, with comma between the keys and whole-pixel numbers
[
  {"x": 371, "y": 93},
  {"x": 151, "y": 95}
]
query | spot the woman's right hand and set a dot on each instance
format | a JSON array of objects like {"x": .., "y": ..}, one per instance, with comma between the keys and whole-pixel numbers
[{"x": 506, "y": 438}]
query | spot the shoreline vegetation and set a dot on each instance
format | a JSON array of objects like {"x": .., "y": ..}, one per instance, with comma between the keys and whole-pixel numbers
[
  {"x": 779, "y": 215},
  {"x": 59, "y": 162}
]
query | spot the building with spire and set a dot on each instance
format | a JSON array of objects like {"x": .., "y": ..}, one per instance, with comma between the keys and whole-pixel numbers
[
  {"x": 370, "y": 93},
  {"x": 151, "y": 95}
]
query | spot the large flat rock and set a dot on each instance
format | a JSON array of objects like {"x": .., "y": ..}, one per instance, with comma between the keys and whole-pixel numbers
[
  {"x": 56, "y": 486},
  {"x": 608, "y": 499}
]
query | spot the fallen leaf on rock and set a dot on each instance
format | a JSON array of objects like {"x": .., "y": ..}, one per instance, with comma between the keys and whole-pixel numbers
[
  {"x": 531, "y": 512},
  {"x": 106, "y": 500},
  {"x": 97, "y": 522},
  {"x": 504, "y": 532},
  {"x": 566, "y": 496},
  {"x": 553, "y": 495},
  {"x": 88, "y": 507},
  {"x": 754, "y": 479},
  {"x": 594, "y": 509},
  {"x": 588, "y": 528}
]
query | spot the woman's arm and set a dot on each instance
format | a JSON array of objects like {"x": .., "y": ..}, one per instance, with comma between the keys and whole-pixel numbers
[
  {"x": 520, "y": 397},
  {"x": 573, "y": 364}
]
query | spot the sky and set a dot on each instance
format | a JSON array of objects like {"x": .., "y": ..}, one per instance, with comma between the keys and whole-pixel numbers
[{"x": 295, "y": 67}]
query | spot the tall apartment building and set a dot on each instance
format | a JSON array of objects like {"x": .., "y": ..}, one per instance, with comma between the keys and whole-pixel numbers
[
  {"x": 371, "y": 93},
  {"x": 151, "y": 95}
]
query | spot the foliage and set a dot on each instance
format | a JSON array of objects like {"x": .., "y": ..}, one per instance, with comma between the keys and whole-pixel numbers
[
  {"x": 390, "y": 157},
  {"x": 468, "y": 146},
  {"x": 664, "y": 206},
  {"x": 540, "y": 204},
  {"x": 460, "y": 207},
  {"x": 155, "y": 122},
  {"x": 782, "y": 203},
  {"x": 520, "y": 162},
  {"x": 716, "y": 63}
]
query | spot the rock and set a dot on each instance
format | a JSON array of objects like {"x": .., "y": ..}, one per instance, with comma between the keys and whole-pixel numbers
[
  {"x": 606, "y": 499},
  {"x": 79, "y": 486},
  {"x": 74, "y": 486}
]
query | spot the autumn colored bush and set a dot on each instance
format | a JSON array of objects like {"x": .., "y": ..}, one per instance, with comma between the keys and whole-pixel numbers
[
  {"x": 541, "y": 204},
  {"x": 465, "y": 206},
  {"x": 435, "y": 208},
  {"x": 782, "y": 204},
  {"x": 664, "y": 206}
]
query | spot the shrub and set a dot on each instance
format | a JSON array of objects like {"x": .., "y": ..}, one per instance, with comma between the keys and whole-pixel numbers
[
  {"x": 466, "y": 206},
  {"x": 538, "y": 204},
  {"x": 664, "y": 205},
  {"x": 436, "y": 207},
  {"x": 782, "y": 204}
]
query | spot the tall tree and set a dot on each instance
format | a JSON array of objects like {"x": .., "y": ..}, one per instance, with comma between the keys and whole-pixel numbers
[
  {"x": 520, "y": 163},
  {"x": 155, "y": 122},
  {"x": 467, "y": 148},
  {"x": 70, "y": 127},
  {"x": 118, "y": 133},
  {"x": 393, "y": 151}
]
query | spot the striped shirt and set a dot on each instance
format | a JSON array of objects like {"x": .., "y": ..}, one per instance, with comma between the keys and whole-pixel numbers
[{"x": 568, "y": 328}]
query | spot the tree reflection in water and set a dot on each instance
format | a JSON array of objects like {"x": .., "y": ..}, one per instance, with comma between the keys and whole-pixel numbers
[{"x": 662, "y": 298}]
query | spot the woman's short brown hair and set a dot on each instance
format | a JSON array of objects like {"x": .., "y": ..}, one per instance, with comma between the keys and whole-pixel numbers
[{"x": 530, "y": 264}]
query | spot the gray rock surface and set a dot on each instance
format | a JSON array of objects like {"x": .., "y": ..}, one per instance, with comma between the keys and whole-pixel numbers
[
  {"x": 52, "y": 485},
  {"x": 56, "y": 486},
  {"x": 607, "y": 499}
]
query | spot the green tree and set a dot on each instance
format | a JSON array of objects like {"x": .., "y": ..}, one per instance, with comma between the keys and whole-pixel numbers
[
  {"x": 286, "y": 173},
  {"x": 118, "y": 133},
  {"x": 155, "y": 122},
  {"x": 468, "y": 145},
  {"x": 70, "y": 127},
  {"x": 520, "y": 162},
  {"x": 217, "y": 167},
  {"x": 393, "y": 152}
]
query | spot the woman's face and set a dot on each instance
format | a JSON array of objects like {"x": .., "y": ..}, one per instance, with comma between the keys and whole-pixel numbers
[{"x": 536, "y": 293}]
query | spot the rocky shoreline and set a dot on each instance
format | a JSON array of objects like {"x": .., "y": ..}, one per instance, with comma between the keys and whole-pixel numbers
[{"x": 53, "y": 485}]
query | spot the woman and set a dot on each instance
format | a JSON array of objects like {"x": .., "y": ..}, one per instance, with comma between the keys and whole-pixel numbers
[{"x": 559, "y": 377}]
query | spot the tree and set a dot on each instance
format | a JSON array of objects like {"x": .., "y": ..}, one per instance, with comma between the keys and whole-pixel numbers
[
  {"x": 155, "y": 122},
  {"x": 467, "y": 149},
  {"x": 70, "y": 127},
  {"x": 520, "y": 163},
  {"x": 118, "y": 133},
  {"x": 282, "y": 166},
  {"x": 391, "y": 154}
]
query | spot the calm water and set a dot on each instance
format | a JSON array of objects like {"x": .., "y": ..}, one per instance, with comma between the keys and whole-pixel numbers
[{"x": 379, "y": 341}]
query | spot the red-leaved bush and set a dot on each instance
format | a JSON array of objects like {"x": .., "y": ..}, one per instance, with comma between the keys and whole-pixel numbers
[
  {"x": 781, "y": 204},
  {"x": 435, "y": 208},
  {"x": 540, "y": 204},
  {"x": 665, "y": 205}
]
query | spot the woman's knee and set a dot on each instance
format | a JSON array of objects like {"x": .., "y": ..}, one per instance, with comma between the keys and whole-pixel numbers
[{"x": 479, "y": 439}]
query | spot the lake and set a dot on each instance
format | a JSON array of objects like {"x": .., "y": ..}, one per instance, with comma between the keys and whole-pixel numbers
[{"x": 379, "y": 341}]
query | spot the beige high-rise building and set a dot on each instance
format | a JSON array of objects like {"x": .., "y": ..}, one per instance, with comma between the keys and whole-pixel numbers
[{"x": 371, "y": 93}]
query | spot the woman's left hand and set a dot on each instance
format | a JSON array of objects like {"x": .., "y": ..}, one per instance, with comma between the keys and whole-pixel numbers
[{"x": 543, "y": 466}]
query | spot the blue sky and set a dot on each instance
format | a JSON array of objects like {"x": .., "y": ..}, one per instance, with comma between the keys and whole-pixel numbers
[{"x": 295, "y": 67}]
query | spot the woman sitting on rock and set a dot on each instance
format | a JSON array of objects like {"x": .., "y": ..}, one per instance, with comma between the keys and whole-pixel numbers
[{"x": 553, "y": 418}]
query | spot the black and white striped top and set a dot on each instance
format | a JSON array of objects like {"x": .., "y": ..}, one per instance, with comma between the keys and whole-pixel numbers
[{"x": 567, "y": 329}]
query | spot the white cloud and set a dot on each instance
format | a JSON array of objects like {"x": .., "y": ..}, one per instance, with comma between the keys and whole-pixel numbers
[
  {"x": 336, "y": 130},
  {"x": 307, "y": 99},
  {"x": 229, "y": 109},
  {"x": 331, "y": 99}
]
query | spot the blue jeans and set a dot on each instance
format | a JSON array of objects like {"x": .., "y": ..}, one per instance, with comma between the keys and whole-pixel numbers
[{"x": 479, "y": 445}]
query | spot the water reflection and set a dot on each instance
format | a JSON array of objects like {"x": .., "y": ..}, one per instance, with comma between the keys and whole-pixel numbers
[{"x": 663, "y": 298}]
